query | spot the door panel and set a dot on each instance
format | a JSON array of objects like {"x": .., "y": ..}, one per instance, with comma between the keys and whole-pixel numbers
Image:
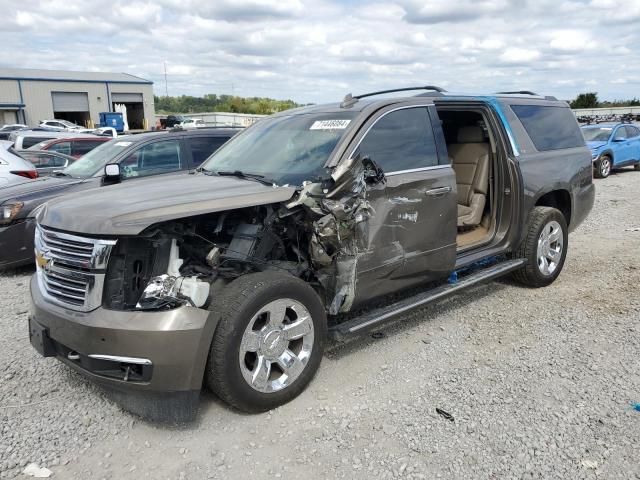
[{"x": 411, "y": 237}]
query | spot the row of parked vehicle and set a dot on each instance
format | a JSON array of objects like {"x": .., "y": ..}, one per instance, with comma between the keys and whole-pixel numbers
[
  {"x": 188, "y": 265},
  {"x": 613, "y": 146}
]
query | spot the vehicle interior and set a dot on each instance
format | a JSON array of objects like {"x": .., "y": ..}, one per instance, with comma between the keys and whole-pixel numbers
[{"x": 473, "y": 153}]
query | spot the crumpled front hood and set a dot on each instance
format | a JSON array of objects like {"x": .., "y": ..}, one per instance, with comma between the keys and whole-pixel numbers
[{"x": 132, "y": 206}]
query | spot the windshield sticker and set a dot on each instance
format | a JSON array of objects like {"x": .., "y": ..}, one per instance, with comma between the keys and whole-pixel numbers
[
  {"x": 329, "y": 124},
  {"x": 123, "y": 144}
]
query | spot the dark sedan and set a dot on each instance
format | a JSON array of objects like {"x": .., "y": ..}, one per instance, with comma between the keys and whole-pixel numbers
[{"x": 139, "y": 156}]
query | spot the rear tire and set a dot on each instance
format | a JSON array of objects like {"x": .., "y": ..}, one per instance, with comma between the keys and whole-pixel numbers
[
  {"x": 637, "y": 166},
  {"x": 603, "y": 167},
  {"x": 268, "y": 343},
  {"x": 544, "y": 247}
]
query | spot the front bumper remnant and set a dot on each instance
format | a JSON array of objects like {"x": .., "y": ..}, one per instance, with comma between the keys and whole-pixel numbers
[{"x": 152, "y": 363}]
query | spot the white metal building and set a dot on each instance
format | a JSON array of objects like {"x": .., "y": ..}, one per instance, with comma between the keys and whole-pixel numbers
[{"x": 29, "y": 96}]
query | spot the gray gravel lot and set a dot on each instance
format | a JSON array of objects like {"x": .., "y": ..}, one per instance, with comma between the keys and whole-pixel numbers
[{"x": 540, "y": 384}]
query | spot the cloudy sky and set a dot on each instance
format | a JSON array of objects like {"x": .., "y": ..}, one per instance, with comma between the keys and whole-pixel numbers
[{"x": 316, "y": 51}]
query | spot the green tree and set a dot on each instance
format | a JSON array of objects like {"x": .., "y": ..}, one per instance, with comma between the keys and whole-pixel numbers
[{"x": 586, "y": 100}]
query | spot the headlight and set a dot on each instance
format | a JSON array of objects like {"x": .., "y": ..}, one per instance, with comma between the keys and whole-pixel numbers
[{"x": 9, "y": 211}]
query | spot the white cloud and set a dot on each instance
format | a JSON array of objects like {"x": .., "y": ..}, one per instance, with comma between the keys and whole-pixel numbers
[
  {"x": 317, "y": 50},
  {"x": 519, "y": 56}
]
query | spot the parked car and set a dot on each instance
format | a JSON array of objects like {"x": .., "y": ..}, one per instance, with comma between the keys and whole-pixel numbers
[
  {"x": 13, "y": 170},
  {"x": 171, "y": 121},
  {"x": 613, "y": 146},
  {"x": 5, "y": 130},
  {"x": 192, "y": 123},
  {"x": 138, "y": 156},
  {"x": 74, "y": 147},
  {"x": 47, "y": 162},
  {"x": 60, "y": 125},
  {"x": 24, "y": 139},
  {"x": 233, "y": 276}
]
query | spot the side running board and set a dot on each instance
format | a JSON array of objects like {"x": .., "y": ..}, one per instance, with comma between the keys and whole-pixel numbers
[{"x": 376, "y": 317}]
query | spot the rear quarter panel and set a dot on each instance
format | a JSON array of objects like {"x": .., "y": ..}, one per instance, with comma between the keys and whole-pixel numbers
[{"x": 568, "y": 169}]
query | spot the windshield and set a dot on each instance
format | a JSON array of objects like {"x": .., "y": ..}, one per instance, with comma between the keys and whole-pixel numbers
[
  {"x": 96, "y": 159},
  {"x": 287, "y": 150},
  {"x": 597, "y": 134}
]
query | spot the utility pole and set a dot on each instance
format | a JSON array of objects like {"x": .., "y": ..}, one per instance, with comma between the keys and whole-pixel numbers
[{"x": 166, "y": 87}]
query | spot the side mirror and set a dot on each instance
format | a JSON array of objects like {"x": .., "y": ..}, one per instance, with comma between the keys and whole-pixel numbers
[
  {"x": 112, "y": 172},
  {"x": 618, "y": 139}
]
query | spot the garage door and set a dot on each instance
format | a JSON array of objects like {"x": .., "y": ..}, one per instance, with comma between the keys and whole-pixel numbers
[
  {"x": 70, "y": 101},
  {"x": 126, "y": 97}
]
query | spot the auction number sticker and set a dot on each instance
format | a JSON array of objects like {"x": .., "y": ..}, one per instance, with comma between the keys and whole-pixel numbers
[{"x": 329, "y": 124}]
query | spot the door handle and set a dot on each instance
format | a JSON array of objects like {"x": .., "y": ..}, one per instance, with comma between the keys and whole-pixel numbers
[{"x": 436, "y": 192}]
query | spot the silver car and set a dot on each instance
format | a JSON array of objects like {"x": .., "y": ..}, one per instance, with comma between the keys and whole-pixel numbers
[{"x": 13, "y": 168}]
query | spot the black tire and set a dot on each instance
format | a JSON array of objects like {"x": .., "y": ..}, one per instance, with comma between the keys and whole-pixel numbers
[
  {"x": 532, "y": 274},
  {"x": 603, "y": 167},
  {"x": 637, "y": 166},
  {"x": 237, "y": 306}
]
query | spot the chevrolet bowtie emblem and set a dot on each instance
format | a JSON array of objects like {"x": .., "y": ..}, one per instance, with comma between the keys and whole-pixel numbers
[{"x": 42, "y": 261}]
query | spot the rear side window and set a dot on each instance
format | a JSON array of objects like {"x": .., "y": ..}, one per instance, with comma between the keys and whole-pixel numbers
[
  {"x": 31, "y": 141},
  {"x": 401, "y": 140},
  {"x": 81, "y": 147},
  {"x": 203, "y": 147},
  {"x": 632, "y": 131},
  {"x": 550, "y": 128},
  {"x": 61, "y": 147}
]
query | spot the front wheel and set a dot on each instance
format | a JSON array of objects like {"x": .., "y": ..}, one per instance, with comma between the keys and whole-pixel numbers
[
  {"x": 544, "y": 247},
  {"x": 603, "y": 167},
  {"x": 268, "y": 343}
]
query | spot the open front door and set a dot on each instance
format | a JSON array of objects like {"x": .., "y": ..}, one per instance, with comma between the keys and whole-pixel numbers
[{"x": 411, "y": 237}]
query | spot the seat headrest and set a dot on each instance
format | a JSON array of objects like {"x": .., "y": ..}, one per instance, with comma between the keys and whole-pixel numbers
[{"x": 470, "y": 134}]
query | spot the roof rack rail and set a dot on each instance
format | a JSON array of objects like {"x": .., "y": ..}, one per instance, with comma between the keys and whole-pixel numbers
[
  {"x": 519, "y": 92},
  {"x": 350, "y": 100}
]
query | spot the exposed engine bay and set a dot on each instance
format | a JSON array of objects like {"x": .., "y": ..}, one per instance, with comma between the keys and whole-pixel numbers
[{"x": 317, "y": 236}]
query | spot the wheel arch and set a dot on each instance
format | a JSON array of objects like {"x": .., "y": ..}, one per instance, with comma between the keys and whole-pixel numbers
[
  {"x": 607, "y": 153},
  {"x": 558, "y": 198}
]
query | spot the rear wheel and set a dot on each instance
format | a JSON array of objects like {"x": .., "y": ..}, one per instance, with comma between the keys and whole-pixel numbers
[
  {"x": 544, "y": 247},
  {"x": 268, "y": 343},
  {"x": 603, "y": 167},
  {"x": 636, "y": 166}
]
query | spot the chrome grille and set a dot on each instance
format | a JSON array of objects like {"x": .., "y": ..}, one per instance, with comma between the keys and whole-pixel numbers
[{"x": 71, "y": 269}]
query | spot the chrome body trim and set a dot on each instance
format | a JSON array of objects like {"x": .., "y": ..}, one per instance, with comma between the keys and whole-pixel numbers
[{"x": 119, "y": 359}]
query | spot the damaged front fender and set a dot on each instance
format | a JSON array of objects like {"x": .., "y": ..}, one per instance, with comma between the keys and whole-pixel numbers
[{"x": 340, "y": 229}]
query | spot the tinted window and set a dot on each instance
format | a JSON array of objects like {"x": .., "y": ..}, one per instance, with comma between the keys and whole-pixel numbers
[
  {"x": 550, "y": 128},
  {"x": 632, "y": 131},
  {"x": 153, "y": 158},
  {"x": 203, "y": 147},
  {"x": 79, "y": 148},
  {"x": 401, "y": 140},
  {"x": 31, "y": 141},
  {"x": 62, "y": 147}
]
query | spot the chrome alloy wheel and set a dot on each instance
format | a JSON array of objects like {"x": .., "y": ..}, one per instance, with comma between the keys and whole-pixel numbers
[
  {"x": 550, "y": 245},
  {"x": 276, "y": 345},
  {"x": 605, "y": 166}
]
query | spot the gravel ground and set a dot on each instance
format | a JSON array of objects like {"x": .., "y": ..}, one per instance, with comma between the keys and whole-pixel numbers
[{"x": 539, "y": 384}]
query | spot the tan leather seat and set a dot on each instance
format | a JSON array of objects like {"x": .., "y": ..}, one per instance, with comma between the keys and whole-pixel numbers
[{"x": 470, "y": 160}]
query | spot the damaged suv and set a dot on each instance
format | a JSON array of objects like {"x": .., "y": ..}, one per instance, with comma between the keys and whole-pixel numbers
[{"x": 324, "y": 220}]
